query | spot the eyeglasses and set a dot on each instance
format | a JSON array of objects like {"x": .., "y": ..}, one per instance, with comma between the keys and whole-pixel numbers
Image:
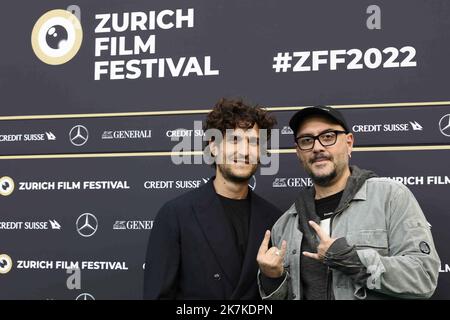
[{"x": 326, "y": 139}]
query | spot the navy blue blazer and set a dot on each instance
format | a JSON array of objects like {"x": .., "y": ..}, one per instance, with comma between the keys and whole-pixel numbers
[{"x": 192, "y": 254}]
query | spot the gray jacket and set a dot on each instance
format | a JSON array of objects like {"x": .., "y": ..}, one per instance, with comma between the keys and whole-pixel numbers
[{"x": 383, "y": 221}]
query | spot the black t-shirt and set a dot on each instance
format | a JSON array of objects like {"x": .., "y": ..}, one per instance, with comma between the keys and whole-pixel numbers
[
  {"x": 238, "y": 214},
  {"x": 313, "y": 273},
  {"x": 325, "y": 207}
]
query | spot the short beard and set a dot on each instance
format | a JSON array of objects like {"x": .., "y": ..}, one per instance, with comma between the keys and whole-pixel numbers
[
  {"x": 228, "y": 174},
  {"x": 323, "y": 181}
]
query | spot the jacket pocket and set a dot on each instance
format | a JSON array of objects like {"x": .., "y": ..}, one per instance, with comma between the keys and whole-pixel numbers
[{"x": 369, "y": 239}]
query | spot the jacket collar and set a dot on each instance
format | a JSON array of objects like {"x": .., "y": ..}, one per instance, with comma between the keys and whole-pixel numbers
[
  {"x": 306, "y": 207},
  {"x": 362, "y": 193},
  {"x": 355, "y": 189},
  {"x": 219, "y": 234}
]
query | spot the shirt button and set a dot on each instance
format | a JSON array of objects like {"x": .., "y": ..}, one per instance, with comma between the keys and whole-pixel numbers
[
  {"x": 217, "y": 276},
  {"x": 294, "y": 251}
]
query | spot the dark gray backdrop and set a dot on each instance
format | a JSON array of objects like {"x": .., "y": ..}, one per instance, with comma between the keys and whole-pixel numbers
[{"x": 242, "y": 37}]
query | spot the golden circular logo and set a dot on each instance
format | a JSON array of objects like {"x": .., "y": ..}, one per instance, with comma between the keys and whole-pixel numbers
[
  {"x": 6, "y": 186},
  {"x": 5, "y": 263},
  {"x": 56, "y": 37}
]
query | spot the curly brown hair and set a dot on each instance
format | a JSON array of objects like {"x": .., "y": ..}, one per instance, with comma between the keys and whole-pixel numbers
[{"x": 232, "y": 114}]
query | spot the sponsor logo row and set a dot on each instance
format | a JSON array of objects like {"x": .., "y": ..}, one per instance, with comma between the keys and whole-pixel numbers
[
  {"x": 86, "y": 225},
  {"x": 8, "y": 186},
  {"x": 79, "y": 134},
  {"x": 74, "y": 281}
]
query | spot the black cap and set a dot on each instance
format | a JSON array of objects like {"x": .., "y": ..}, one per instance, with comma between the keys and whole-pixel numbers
[{"x": 329, "y": 112}]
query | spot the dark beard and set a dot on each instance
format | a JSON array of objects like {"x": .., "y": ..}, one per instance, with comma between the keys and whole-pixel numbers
[
  {"x": 228, "y": 175},
  {"x": 339, "y": 168},
  {"x": 323, "y": 181}
]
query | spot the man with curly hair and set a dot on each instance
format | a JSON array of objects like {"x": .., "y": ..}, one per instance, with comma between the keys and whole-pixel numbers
[{"x": 205, "y": 242}]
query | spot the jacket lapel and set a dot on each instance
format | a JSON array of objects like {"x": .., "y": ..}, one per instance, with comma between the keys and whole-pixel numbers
[{"x": 218, "y": 232}]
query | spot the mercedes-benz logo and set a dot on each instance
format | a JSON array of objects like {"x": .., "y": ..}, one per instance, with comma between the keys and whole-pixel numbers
[
  {"x": 85, "y": 296},
  {"x": 87, "y": 225},
  {"x": 444, "y": 125},
  {"x": 78, "y": 135}
]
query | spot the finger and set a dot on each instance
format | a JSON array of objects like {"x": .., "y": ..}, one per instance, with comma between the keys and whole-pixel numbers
[
  {"x": 283, "y": 249},
  {"x": 311, "y": 255},
  {"x": 273, "y": 251},
  {"x": 318, "y": 229},
  {"x": 265, "y": 243}
]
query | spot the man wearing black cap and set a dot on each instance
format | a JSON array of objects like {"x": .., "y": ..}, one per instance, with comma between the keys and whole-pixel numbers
[{"x": 352, "y": 235}]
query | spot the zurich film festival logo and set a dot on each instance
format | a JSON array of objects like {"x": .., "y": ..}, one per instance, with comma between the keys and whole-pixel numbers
[
  {"x": 57, "y": 35},
  {"x": 6, "y": 186},
  {"x": 5, "y": 263}
]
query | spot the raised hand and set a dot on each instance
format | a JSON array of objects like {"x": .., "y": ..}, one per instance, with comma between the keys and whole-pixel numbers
[
  {"x": 271, "y": 260},
  {"x": 325, "y": 242}
]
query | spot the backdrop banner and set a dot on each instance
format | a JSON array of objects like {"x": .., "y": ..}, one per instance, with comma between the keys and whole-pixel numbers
[{"x": 98, "y": 99}]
